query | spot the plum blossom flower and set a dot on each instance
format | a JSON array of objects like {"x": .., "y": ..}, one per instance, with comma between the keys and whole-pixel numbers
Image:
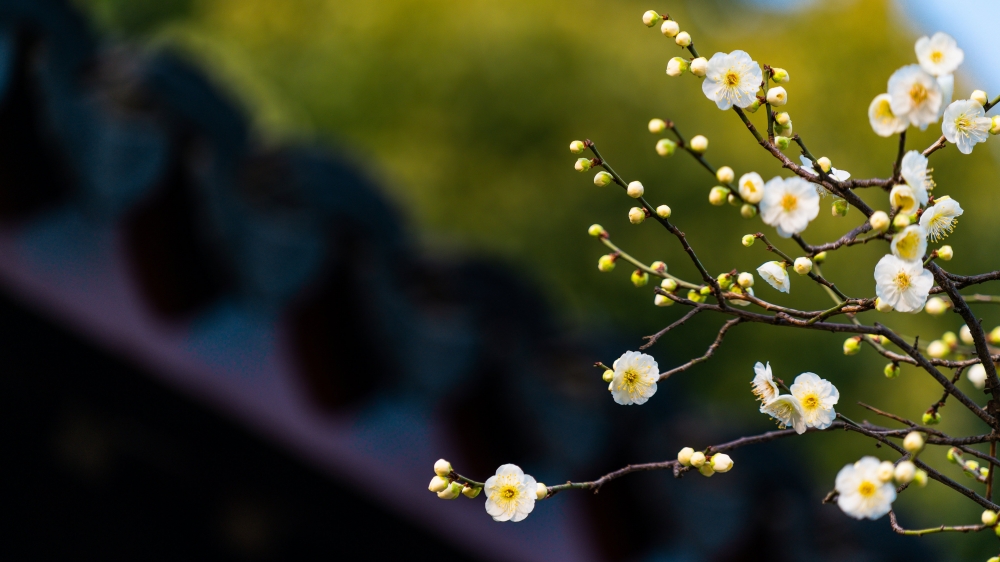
[
  {"x": 903, "y": 285},
  {"x": 635, "y": 378},
  {"x": 751, "y": 187},
  {"x": 977, "y": 376},
  {"x": 910, "y": 243},
  {"x": 732, "y": 79},
  {"x": 939, "y": 219},
  {"x": 965, "y": 124},
  {"x": 787, "y": 410},
  {"x": 816, "y": 397},
  {"x": 884, "y": 122},
  {"x": 763, "y": 384},
  {"x": 510, "y": 494},
  {"x": 861, "y": 493},
  {"x": 915, "y": 95},
  {"x": 939, "y": 54},
  {"x": 917, "y": 175},
  {"x": 789, "y": 205},
  {"x": 775, "y": 274}
]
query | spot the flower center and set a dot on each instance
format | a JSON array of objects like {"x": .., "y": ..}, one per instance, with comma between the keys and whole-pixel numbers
[
  {"x": 918, "y": 93},
  {"x": 866, "y": 489},
  {"x": 732, "y": 78},
  {"x": 810, "y": 402},
  {"x": 963, "y": 123},
  {"x": 508, "y": 492},
  {"x": 884, "y": 110},
  {"x": 902, "y": 280},
  {"x": 907, "y": 246},
  {"x": 789, "y": 202},
  {"x": 936, "y": 56}
]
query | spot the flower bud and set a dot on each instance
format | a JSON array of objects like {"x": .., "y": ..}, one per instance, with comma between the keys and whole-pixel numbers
[
  {"x": 706, "y": 470},
  {"x": 677, "y": 66},
  {"x": 541, "y": 491},
  {"x": 754, "y": 106},
  {"x": 684, "y": 456},
  {"x": 582, "y": 165},
  {"x": 576, "y": 147},
  {"x": 596, "y": 230},
  {"x": 442, "y": 467},
  {"x": 706, "y": 290},
  {"x": 886, "y": 470},
  {"x": 608, "y": 375},
  {"x": 920, "y": 478},
  {"x": 783, "y": 130},
  {"x": 938, "y": 349},
  {"x": 777, "y": 96},
  {"x": 658, "y": 266},
  {"x": 952, "y": 455},
  {"x": 635, "y": 189},
  {"x": 782, "y": 118},
  {"x": 748, "y": 211},
  {"x": 977, "y": 376},
  {"x": 695, "y": 296},
  {"x": 989, "y": 518},
  {"x": 665, "y": 147},
  {"x": 651, "y": 18},
  {"x": 905, "y": 471},
  {"x": 733, "y": 199},
  {"x": 606, "y": 263},
  {"x": 721, "y": 462},
  {"x": 882, "y": 306},
  {"x": 839, "y": 208},
  {"x": 936, "y": 306},
  {"x": 451, "y": 492},
  {"x": 803, "y": 266},
  {"x": 683, "y": 39},
  {"x": 718, "y": 194},
  {"x": 748, "y": 240},
  {"x": 640, "y": 278},
  {"x": 471, "y": 492},
  {"x": 913, "y": 442},
  {"x": 979, "y": 96},
  {"x": 670, "y": 28},
  {"x": 663, "y": 212},
  {"x": 660, "y": 300},
  {"x": 699, "y": 144},
  {"x": 965, "y": 334},
  {"x": 852, "y": 346},
  {"x": 779, "y": 75},
  {"x": 697, "y": 459},
  {"x": 636, "y": 215},
  {"x": 891, "y": 370},
  {"x": 699, "y": 66},
  {"x": 950, "y": 339},
  {"x": 819, "y": 258},
  {"x": 782, "y": 142},
  {"x": 725, "y": 281},
  {"x": 995, "y": 127},
  {"x": 725, "y": 174},
  {"x": 437, "y": 484},
  {"x": 824, "y": 164},
  {"x": 879, "y": 221},
  {"x": 994, "y": 336},
  {"x": 901, "y": 221},
  {"x": 931, "y": 418},
  {"x": 945, "y": 253},
  {"x": 657, "y": 125},
  {"x": 668, "y": 285},
  {"x": 971, "y": 466},
  {"x": 602, "y": 179}
]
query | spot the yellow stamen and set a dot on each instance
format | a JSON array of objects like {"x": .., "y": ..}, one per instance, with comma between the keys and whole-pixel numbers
[
  {"x": 866, "y": 489},
  {"x": 789, "y": 202},
  {"x": 902, "y": 281},
  {"x": 936, "y": 56},
  {"x": 732, "y": 79},
  {"x": 810, "y": 402},
  {"x": 918, "y": 93}
]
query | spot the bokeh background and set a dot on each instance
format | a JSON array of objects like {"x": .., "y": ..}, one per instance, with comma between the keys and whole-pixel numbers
[{"x": 384, "y": 189}]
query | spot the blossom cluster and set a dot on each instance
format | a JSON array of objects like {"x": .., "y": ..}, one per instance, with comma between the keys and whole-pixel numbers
[{"x": 510, "y": 493}]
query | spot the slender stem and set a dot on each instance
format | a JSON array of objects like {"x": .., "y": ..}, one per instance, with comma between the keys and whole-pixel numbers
[
  {"x": 941, "y": 529},
  {"x": 897, "y": 167},
  {"x": 459, "y": 478},
  {"x": 638, "y": 264}
]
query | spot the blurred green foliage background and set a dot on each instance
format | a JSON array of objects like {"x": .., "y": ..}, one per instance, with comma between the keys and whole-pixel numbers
[{"x": 467, "y": 108}]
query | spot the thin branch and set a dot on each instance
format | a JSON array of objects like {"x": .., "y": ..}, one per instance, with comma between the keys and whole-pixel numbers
[
  {"x": 708, "y": 354},
  {"x": 941, "y": 529},
  {"x": 653, "y": 338}
]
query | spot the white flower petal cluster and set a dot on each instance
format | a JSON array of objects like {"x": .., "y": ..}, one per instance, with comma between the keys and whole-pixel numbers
[
  {"x": 810, "y": 403},
  {"x": 902, "y": 284},
  {"x": 884, "y": 122},
  {"x": 510, "y": 494},
  {"x": 965, "y": 124},
  {"x": 917, "y": 176},
  {"x": 635, "y": 378},
  {"x": 732, "y": 79},
  {"x": 939, "y": 219},
  {"x": 939, "y": 54},
  {"x": 915, "y": 95},
  {"x": 788, "y": 205},
  {"x": 776, "y": 275},
  {"x": 862, "y": 494},
  {"x": 764, "y": 387},
  {"x": 751, "y": 187},
  {"x": 910, "y": 243}
]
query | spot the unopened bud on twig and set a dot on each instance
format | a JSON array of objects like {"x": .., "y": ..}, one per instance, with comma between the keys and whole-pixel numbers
[
  {"x": 722, "y": 463},
  {"x": 602, "y": 179},
  {"x": 782, "y": 142},
  {"x": 938, "y": 349},
  {"x": 699, "y": 144},
  {"x": 936, "y": 306},
  {"x": 931, "y": 418},
  {"x": 852, "y": 346},
  {"x": 879, "y": 221},
  {"x": 582, "y": 165},
  {"x": 451, "y": 492},
  {"x": 670, "y": 28},
  {"x": 596, "y": 230},
  {"x": 920, "y": 478},
  {"x": 699, "y": 66},
  {"x": 745, "y": 279},
  {"x": 635, "y": 189},
  {"x": 891, "y": 370},
  {"x": 606, "y": 263},
  {"x": 885, "y": 471},
  {"x": 748, "y": 211},
  {"x": 668, "y": 285},
  {"x": 748, "y": 240},
  {"x": 901, "y": 221},
  {"x": 651, "y": 18},
  {"x": 989, "y": 518},
  {"x": 995, "y": 126},
  {"x": 442, "y": 467},
  {"x": 684, "y": 456},
  {"x": 803, "y": 265},
  {"x": 636, "y": 215},
  {"x": 471, "y": 491},
  {"x": 718, "y": 195},
  {"x": 905, "y": 471},
  {"x": 541, "y": 491},
  {"x": 754, "y": 106},
  {"x": 965, "y": 334},
  {"x": 994, "y": 336},
  {"x": 777, "y": 96},
  {"x": 677, "y": 66},
  {"x": 657, "y": 125},
  {"x": 660, "y": 300},
  {"x": 779, "y": 75},
  {"x": 437, "y": 484},
  {"x": 945, "y": 253},
  {"x": 824, "y": 164},
  {"x": 725, "y": 174},
  {"x": 576, "y": 147},
  {"x": 882, "y": 306},
  {"x": 663, "y": 212},
  {"x": 819, "y": 258},
  {"x": 913, "y": 442},
  {"x": 608, "y": 376},
  {"x": 697, "y": 459},
  {"x": 683, "y": 39},
  {"x": 839, "y": 208},
  {"x": 979, "y": 96},
  {"x": 640, "y": 278}
]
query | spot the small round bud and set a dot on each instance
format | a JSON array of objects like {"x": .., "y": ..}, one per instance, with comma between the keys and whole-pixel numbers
[
  {"x": 658, "y": 266},
  {"x": 979, "y": 96},
  {"x": 852, "y": 346},
  {"x": 950, "y": 339},
  {"x": 882, "y": 306},
  {"x": 663, "y": 212},
  {"x": 995, "y": 126},
  {"x": 602, "y": 179},
  {"x": 437, "y": 484},
  {"x": 891, "y": 370},
  {"x": 951, "y": 455},
  {"x": 668, "y": 285},
  {"x": 651, "y": 18},
  {"x": 965, "y": 334},
  {"x": 705, "y": 291},
  {"x": 725, "y": 281},
  {"x": 913, "y": 442},
  {"x": 839, "y": 208},
  {"x": 596, "y": 230},
  {"x": 989, "y": 518},
  {"x": 931, "y": 418},
  {"x": 754, "y": 106},
  {"x": 783, "y": 118},
  {"x": 936, "y": 306},
  {"x": 994, "y": 336},
  {"x": 636, "y": 215},
  {"x": 697, "y": 459},
  {"x": 945, "y": 253},
  {"x": 819, "y": 258},
  {"x": 665, "y": 147},
  {"x": 745, "y": 280},
  {"x": 660, "y": 300},
  {"x": 608, "y": 375},
  {"x": 748, "y": 240},
  {"x": 541, "y": 491},
  {"x": 471, "y": 492},
  {"x": 721, "y": 462},
  {"x": 977, "y": 376},
  {"x": 779, "y": 75},
  {"x": 699, "y": 66},
  {"x": 576, "y": 147},
  {"x": 684, "y": 456},
  {"x": 972, "y": 466},
  {"x": 451, "y": 492},
  {"x": 732, "y": 199},
  {"x": 640, "y": 278},
  {"x": 606, "y": 263},
  {"x": 879, "y": 221},
  {"x": 901, "y": 221},
  {"x": 938, "y": 349},
  {"x": 777, "y": 96},
  {"x": 748, "y": 211},
  {"x": 677, "y": 66},
  {"x": 442, "y": 467},
  {"x": 824, "y": 164},
  {"x": 670, "y": 28},
  {"x": 657, "y": 125},
  {"x": 782, "y": 142},
  {"x": 725, "y": 174},
  {"x": 695, "y": 296},
  {"x": 635, "y": 189},
  {"x": 699, "y": 144},
  {"x": 706, "y": 470},
  {"x": 718, "y": 195},
  {"x": 904, "y": 473},
  {"x": 683, "y": 39},
  {"x": 582, "y": 165},
  {"x": 886, "y": 470},
  {"x": 803, "y": 265},
  {"x": 783, "y": 130},
  {"x": 920, "y": 478}
]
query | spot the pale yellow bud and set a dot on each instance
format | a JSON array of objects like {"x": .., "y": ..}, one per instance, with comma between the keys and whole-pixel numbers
[
  {"x": 989, "y": 518},
  {"x": 636, "y": 215},
  {"x": 651, "y": 18},
  {"x": 576, "y": 147},
  {"x": 745, "y": 280},
  {"x": 803, "y": 265},
  {"x": 541, "y": 491},
  {"x": 670, "y": 28},
  {"x": 677, "y": 66},
  {"x": 442, "y": 467},
  {"x": 657, "y": 125},
  {"x": 938, "y": 349},
  {"x": 913, "y": 442},
  {"x": 882, "y": 306},
  {"x": 905, "y": 471},
  {"x": 699, "y": 66},
  {"x": 936, "y": 306},
  {"x": 706, "y": 470},
  {"x": 699, "y": 144},
  {"x": 782, "y": 142},
  {"x": 471, "y": 492},
  {"x": 779, "y": 75},
  {"x": 608, "y": 375},
  {"x": 437, "y": 484},
  {"x": 945, "y": 253},
  {"x": 824, "y": 164},
  {"x": 920, "y": 478},
  {"x": 965, "y": 334},
  {"x": 635, "y": 189},
  {"x": 994, "y": 336},
  {"x": 663, "y": 212},
  {"x": 725, "y": 174},
  {"x": 777, "y": 96},
  {"x": 879, "y": 221},
  {"x": 722, "y": 463},
  {"x": 885, "y": 471},
  {"x": 602, "y": 179},
  {"x": 582, "y": 165},
  {"x": 660, "y": 300},
  {"x": 683, "y": 39},
  {"x": 665, "y": 147},
  {"x": 451, "y": 492},
  {"x": 697, "y": 459},
  {"x": 684, "y": 456},
  {"x": 748, "y": 240},
  {"x": 852, "y": 346},
  {"x": 901, "y": 221},
  {"x": 748, "y": 211},
  {"x": 783, "y": 118},
  {"x": 718, "y": 195},
  {"x": 668, "y": 285},
  {"x": 995, "y": 127},
  {"x": 979, "y": 96}
]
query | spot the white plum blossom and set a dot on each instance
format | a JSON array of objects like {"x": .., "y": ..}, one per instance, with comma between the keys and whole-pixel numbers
[
  {"x": 787, "y": 410},
  {"x": 965, "y": 124},
  {"x": 816, "y": 397},
  {"x": 839, "y": 175},
  {"x": 635, "y": 378},
  {"x": 939, "y": 219},
  {"x": 910, "y": 243},
  {"x": 764, "y": 387},
  {"x": 902, "y": 198},
  {"x": 775, "y": 274},
  {"x": 915, "y": 95},
  {"x": 977, "y": 376},
  {"x": 861, "y": 493},
  {"x": 732, "y": 79},
  {"x": 915, "y": 173},
  {"x": 884, "y": 122},
  {"x": 939, "y": 54},
  {"x": 751, "y": 187},
  {"x": 510, "y": 494},
  {"x": 789, "y": 205},
  {"x": 903, "y": 285}
]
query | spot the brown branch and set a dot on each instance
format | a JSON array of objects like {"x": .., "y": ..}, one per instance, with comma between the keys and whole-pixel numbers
[
  {"x": 708, "y": 354},
  {"x": 942, "y": 528},
  {"x": 653, "y": 338}
]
